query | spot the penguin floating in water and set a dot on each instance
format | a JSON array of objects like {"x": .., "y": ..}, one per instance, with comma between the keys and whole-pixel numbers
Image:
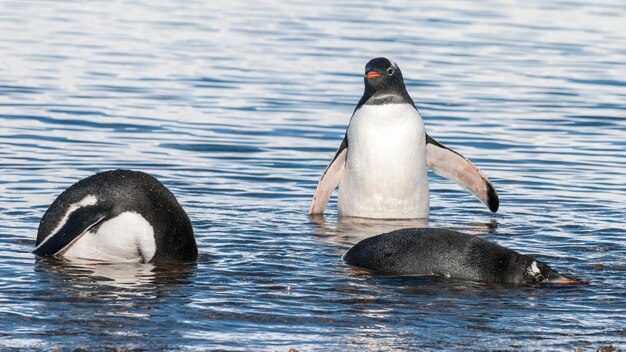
[
  {"x": 439, "y": 252},
  {"x": 117, "y": 216},
  {"x": 382, "y": 161}
]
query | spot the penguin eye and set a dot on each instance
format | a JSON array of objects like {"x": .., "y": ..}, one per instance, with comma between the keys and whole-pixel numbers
[
  {"x": 390, "y": 71},
  {"x": 539, "y": 278}
]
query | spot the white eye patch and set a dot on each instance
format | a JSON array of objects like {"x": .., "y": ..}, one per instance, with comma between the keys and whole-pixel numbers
[
  {"x": 85, "y": 202},
  {"x": 533, "y": 269}
]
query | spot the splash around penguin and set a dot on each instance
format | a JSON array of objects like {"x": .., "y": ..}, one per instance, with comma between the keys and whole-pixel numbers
[
  {"x": 117, "y": 216},
  {"x": 381, "y": 164},
  {"x": 451, "y": 254}
]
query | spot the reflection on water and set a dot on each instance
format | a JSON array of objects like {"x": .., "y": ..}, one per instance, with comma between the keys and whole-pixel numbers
[
  {"x": 130, "y": 276},
  {"x": 353, "y": 229},
  {"x": 237, "y": 108}
]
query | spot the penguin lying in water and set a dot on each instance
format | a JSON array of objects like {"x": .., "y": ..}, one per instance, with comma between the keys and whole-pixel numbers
[
  {"x": 381, "y": 164},
  {"x": 439, "y": 252},
  {"x": 117, "y": 216}
]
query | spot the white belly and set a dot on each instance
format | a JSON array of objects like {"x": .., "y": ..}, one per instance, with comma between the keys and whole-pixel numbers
[
  {"x": 127, "y": 237},
  {"x": 385, "y": 174}
]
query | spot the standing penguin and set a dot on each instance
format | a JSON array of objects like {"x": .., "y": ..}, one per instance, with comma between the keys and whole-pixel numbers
[
  {"x": 382, "y": 161},
  {"x": 117, "y": 216}
]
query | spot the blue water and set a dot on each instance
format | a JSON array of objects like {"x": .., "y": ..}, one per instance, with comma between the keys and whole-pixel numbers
[{"x": 238, "y": 106}]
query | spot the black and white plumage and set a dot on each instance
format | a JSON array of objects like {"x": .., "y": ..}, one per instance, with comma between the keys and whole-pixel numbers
[
  {"x": 117, "y": 216},
  {"x": 451, "y": 254},
  {"x": 381, "y": 165}
]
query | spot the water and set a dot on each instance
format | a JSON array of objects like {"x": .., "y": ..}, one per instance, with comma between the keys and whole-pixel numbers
[{"x": 237, "y": 107}]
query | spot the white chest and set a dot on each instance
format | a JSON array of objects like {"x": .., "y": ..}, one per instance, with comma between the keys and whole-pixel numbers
[
  {"x": 385, "y": 175},
  {"x": 127, "y": 237}
]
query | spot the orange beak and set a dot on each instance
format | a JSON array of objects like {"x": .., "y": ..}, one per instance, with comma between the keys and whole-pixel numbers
[
  {"x": 569, "y": 281},
  {"x": 372, "y": 74}
]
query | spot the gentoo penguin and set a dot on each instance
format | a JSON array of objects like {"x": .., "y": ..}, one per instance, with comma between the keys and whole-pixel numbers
[
  {"x": 429, "y": 251},
  {"x": 117, "y": 216},
  {"x": 381, "y": 163}
]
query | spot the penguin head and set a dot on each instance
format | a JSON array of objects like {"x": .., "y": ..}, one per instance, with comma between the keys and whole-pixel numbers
[
  {"x": 383, "y": 75},
  {"x": 536, "y": 272}
]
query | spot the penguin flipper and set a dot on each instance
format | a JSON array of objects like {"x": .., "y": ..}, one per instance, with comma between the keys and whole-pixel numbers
[
  {"x": 454, "y": 166},
  {"x": 77, "y": 224},
  {"x": 330, "y": 179}
]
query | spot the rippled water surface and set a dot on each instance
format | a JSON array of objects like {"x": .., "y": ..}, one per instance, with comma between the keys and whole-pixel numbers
[{"x": 238, "y": 106}]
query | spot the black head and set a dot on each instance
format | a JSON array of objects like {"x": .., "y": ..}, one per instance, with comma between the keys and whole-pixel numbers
[
  {"x": 384, "y": 83},
  {"x": 527, "y": 270}
]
